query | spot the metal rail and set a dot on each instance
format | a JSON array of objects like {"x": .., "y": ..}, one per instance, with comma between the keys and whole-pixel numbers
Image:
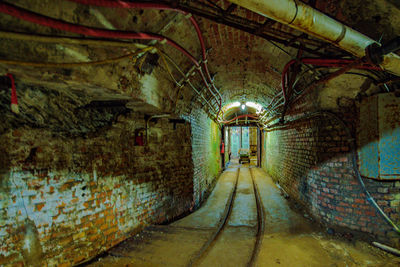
[
  {"x": 260, "y": 222},
  {"x": 202, "y": 253},
  {"x": 196, "y": 259}
]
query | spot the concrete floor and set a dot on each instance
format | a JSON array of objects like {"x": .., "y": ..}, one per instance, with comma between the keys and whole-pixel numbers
[{"x": 288, "y": 238}]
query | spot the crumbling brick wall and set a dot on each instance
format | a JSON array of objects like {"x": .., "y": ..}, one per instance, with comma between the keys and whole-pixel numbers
[
  {"x": 311, "y": 160},
  {"x": 64, "y": 200}
]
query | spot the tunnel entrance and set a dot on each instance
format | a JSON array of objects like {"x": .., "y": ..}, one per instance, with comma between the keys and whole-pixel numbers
[{"x": 239, "y": 141}]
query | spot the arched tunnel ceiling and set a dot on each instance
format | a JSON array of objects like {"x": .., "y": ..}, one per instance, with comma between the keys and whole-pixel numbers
[{"x": 244, "y": 66}]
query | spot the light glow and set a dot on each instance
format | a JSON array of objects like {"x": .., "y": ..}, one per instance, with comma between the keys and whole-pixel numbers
[
  {"x": 243, "y": 106},
  {"x": 232, "y": 105},
  {"x": 256, "y": 106}
]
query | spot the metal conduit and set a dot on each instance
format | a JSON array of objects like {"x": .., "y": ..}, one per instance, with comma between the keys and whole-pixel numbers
[{"x": 302, "y": 17}]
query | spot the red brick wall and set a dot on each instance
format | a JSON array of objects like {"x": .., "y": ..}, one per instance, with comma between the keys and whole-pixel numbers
[
  {"x": 310, "y": 159},
  {"x": 64, "y": 200}
]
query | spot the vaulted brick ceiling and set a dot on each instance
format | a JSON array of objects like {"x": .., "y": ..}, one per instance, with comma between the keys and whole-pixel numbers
[{"x": 244, "y": 66}]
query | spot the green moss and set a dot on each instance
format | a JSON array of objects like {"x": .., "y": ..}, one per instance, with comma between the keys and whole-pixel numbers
[{"x": 214, "y": 161}]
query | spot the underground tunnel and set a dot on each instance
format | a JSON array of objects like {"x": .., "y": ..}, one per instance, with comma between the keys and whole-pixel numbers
[{"x": 200, "y": 133}]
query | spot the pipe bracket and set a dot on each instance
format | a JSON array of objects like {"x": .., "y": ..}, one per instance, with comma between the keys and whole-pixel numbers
[{"x": 295, "y": 15}]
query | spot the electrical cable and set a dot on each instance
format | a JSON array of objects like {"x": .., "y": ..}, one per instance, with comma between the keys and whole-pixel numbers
[
  {"x": 253, "y": 116},
  {"x": 73, "y": 64},
  {"x": 159, "y": 6},
  {"x": 68, "y": 40},
  {"x": 187, "y": 80},
  {"x": 351, "y": 141},
  {"x": 80, "y": 29}
]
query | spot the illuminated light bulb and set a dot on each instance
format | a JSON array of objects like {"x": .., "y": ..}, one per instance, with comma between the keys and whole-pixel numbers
[{"x": 243, "y": 106}]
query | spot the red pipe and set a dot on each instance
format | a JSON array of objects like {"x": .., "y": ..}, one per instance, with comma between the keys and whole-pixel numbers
[
  {"x": 66, "y": 26},
  {"x": 332, "y": 63},
  {"x": 14, "y": 98},
  {"x": 122, "y": 4}
]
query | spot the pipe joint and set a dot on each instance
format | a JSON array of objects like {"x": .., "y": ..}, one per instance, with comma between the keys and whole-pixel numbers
[{"x": 375, "y": 52}]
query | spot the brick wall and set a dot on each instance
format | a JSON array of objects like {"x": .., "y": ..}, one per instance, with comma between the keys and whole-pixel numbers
[
  {"x": 64, "y": 200},
  {"x": 206, "y": 137},
  {"x": 310, "y": 159}
]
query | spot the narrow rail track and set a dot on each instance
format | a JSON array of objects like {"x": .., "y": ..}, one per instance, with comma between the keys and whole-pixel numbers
[
  {"x": 196, "y": 259},
  {"x": 208, "y": 246},
  {"x": 260, "y": 221}
]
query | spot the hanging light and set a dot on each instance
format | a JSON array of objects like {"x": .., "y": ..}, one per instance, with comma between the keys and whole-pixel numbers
[{"x": 243, "y": 106}]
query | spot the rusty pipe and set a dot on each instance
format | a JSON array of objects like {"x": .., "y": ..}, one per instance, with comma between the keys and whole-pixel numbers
[{"x": 302, "y": 17}]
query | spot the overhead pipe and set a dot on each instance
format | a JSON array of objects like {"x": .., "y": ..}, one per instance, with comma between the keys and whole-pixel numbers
[
  {"x": 345, "y": 64},
  {"x": 241, "y": 116},
  {"x": 302, "y": 17},
  {"x": 159, "y": 6},
  {"x": 67, "y": 40},
  {"x": 185, "y": 78},
  {"x": 80, "y": 29}
]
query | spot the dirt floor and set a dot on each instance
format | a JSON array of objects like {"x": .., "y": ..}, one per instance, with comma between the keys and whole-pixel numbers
[{"x": 288, "y": 239}]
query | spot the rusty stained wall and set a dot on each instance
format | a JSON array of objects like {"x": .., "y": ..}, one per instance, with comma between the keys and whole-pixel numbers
[{"x": 65, "y": 200}]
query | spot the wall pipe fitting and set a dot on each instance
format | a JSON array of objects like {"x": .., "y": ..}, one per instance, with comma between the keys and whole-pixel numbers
[
  {"x": 302, "y": 17},
  {"x": 14, "y": 98},
  {"x": 375, "y": 52}
]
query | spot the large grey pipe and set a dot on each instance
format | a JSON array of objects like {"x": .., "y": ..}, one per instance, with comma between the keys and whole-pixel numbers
[{"x": 309, "y": 20}]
